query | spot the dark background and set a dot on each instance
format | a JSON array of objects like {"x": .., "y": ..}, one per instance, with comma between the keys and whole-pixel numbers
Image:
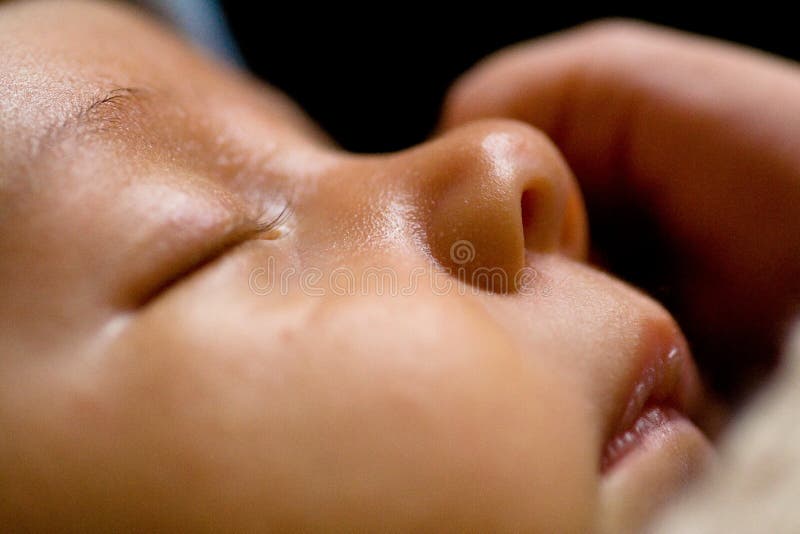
[{"x": 375, "y": 79}]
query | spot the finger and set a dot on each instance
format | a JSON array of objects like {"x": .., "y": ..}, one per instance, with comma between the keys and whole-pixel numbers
[
  {"x": 706, "y": 134},
  {"x": 626, "y": 96}
]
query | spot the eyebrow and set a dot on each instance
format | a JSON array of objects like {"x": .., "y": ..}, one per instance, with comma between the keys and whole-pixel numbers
[
  {"x": 114, "y": 107},
  {"x": 114, "y": 96}
]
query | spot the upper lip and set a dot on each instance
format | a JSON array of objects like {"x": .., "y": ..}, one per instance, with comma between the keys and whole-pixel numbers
[{"x": 663, "y": 372}]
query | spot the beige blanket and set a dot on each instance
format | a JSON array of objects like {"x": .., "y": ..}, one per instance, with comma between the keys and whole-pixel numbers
[{"x": 755, "y": 487}]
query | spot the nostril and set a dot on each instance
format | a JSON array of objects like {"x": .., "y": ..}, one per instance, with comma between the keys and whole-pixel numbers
[
  {"x": 528, "y": 209},
  {"x": 541, "y": 217},
  {"x": 553, "y": 221}
]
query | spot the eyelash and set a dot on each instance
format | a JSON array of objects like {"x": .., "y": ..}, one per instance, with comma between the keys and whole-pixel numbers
[{"x": 269, "y": 229}]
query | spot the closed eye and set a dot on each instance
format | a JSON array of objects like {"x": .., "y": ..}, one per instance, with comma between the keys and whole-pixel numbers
[
  {"x": 209, "y": 252},
  {"x": 189, "y": 257},
  {"x": 172, "y": 221}
]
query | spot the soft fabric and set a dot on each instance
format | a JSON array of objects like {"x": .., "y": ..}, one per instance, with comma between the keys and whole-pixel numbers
[{"x": 755, "y": 486}]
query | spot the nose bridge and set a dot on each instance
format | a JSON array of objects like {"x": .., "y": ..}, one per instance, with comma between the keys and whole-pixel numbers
[{"x": 493, "y": 191}]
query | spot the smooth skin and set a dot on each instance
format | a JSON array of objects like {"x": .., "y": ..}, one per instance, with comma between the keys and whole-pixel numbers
[{"x": 152, "y": 379}]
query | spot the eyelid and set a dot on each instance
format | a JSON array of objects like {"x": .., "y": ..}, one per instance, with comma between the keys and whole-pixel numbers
[
  {"x": 187, "y": 265},
  {"x": 169, "y": 229},
  {"x": 218, "y": 243}
]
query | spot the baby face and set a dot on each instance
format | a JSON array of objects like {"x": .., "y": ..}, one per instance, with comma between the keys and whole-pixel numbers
[{"x": 211, "y": 318}]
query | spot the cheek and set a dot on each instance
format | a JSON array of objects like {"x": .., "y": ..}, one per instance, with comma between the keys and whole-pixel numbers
[{"x": 368, "y": 413}]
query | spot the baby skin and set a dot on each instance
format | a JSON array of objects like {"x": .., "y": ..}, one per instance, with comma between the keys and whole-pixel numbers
[{"x": 213, "y": 319}]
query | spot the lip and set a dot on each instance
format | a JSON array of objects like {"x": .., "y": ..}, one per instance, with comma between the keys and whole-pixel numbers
[
  {"x": 666, "y": 459},
  {"x": 663, "y": 380}
]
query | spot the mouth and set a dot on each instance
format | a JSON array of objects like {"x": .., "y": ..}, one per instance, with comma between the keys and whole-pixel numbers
[
  {"x": 653, "y": 449},
  {"x": 661, "y": 398}
]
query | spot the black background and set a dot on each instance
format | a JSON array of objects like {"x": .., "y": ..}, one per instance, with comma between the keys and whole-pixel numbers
[{"x": 375, "y": 78}]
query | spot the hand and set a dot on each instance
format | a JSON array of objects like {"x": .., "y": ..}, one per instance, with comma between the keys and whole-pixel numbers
[{"x": 688, "y": 153}]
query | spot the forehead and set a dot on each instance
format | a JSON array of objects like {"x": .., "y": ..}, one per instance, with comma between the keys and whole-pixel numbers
[
  {"x": 84, "y": 82},
  {"x": 57, "y": 59}
]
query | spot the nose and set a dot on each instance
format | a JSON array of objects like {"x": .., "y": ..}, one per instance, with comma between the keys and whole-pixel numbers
[{"x": 491, "y": 192}]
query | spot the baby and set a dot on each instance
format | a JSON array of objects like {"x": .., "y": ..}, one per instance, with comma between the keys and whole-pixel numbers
[{"x": 213, "y": 319}]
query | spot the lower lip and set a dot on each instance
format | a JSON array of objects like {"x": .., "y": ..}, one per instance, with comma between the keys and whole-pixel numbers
[
  {"x": 653, "y": 423},
  {"x": 664, "y": 453}
]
